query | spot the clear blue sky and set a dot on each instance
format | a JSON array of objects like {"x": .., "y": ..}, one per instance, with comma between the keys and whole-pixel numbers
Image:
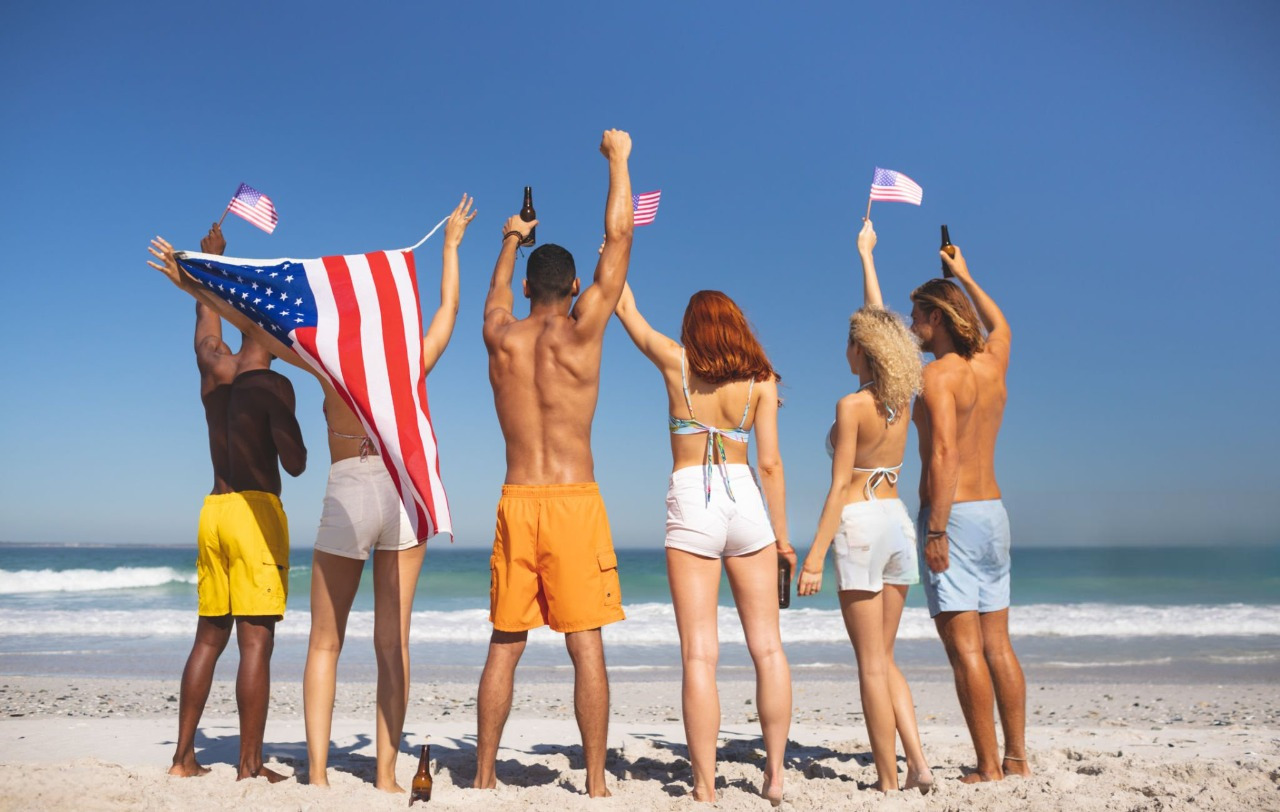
[{"x": 1110, "y": 169}]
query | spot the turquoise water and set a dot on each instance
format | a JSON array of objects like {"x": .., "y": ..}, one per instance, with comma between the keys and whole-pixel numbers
[{"x": 98, "y": 609}]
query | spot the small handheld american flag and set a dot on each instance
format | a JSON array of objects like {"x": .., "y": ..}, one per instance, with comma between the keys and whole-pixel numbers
[
  {"x": 645, "y": 207},
  {"x": 889, "y": 185},
  {"x": 255, "y": 207}
]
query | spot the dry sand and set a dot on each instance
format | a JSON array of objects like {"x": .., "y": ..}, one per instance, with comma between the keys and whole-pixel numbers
[{"x": 74, "y": 743}]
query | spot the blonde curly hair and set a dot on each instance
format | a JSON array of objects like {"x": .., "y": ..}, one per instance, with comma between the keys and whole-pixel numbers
[{"x": 893, "y": 353}]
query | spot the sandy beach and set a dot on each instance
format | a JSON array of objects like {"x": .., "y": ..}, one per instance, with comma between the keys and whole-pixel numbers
[{"x": 68, "y": 742}]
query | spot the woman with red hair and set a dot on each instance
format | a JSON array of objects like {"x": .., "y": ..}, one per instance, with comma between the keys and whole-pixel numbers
[{"x": 720, "y": 386}]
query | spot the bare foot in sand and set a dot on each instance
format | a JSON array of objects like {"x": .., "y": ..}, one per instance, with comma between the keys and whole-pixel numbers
[
  {"x": 922, "y": 780},
  {"x": 598, "y": 790},
  {"x": 392, "y": 787},
  {"x": 976, "y": 777},
  {"x": 318, "y": 781},
  {"x": 188, "y": 769},
  {"x": 1016, "y": 766},
  {"x": 772, "y": 789},
  {"x": 262, "y": 772}
]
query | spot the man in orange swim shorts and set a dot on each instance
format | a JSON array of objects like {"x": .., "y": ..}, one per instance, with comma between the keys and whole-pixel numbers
[{"x": 553, "y": 559}]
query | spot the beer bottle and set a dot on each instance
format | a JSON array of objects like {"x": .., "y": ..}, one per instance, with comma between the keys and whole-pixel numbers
[
  {"x": 784, "y": 582},
  {"x": 949, "y": 248},
  {"x": 529, "y": 215},
  {"x": 421, "y": 787}
]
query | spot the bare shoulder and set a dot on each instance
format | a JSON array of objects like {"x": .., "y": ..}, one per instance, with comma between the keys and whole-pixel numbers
[
  {"x": 496, "y": 322},
  {"x": 855, "y": 405}
]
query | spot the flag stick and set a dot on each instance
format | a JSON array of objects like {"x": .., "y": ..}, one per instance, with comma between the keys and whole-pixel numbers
[
  {"x": 867, "y": 216},
  {"x": 228, "y": 208}
]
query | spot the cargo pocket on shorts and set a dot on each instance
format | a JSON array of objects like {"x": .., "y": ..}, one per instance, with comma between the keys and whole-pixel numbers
[
  {"x": 493, "y": 585},
  {"x": 612, "y": 587}
]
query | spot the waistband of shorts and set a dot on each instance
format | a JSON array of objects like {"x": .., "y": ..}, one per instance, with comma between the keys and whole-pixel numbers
[
  {"x": 372, "y": 464},
  {"x": 867, "y": 505},
  {"x": 737, "y": 470},
  {"x": 550, "y": 491},
  {"x": 245, "y": 496}
]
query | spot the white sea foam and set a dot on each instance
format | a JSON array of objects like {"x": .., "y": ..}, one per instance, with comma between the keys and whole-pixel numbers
[
  {"x": 16, "y": 582},
  {"x": 654, "y": 623}
]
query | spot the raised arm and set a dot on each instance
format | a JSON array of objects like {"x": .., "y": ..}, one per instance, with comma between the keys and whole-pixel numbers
[
  {"x": 657, "y": 348},
  {"x": 437, "y": 336},
  {"x": 870, "y": 282},
  {"x": 943, "y": 464},
  {"x": 998, "y": 333},
  {"x": 216, "y": 307},
  {"x": 845, "y": 443},
  {"x": 209, "y": 345},
  {"x": 769, "y": 464},
  {"x": 597, "y": 302},
  {"x": 498, "y": 302}
]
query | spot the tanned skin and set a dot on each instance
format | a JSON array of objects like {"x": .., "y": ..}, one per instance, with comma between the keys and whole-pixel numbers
[
  {"x": 335, "y": 579},
  {"x": 545, "y": 372},
  {"x": 249, "y": 412},
  {"x": 957, "y": 419}
]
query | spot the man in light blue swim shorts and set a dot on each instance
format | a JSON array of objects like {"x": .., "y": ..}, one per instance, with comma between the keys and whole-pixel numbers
[{"x": 963, "y": 530}]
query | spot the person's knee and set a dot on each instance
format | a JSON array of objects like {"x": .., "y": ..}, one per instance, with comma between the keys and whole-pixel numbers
[
  {"x": 702, "y": 654},
  {"x": 765, "y": 652},
  {"x": 585, "y": 646},
  {"x": 390, "y": 647}
]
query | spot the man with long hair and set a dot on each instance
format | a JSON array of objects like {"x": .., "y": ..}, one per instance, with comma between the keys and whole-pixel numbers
[
  {"x": 963, "y": 526},
  {"x": 553, "y": 560}
]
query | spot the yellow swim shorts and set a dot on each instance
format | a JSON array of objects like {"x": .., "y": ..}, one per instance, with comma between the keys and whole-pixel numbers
[
  {"x": 553, "y": 561},
  {"x": 243, "y": 555}
]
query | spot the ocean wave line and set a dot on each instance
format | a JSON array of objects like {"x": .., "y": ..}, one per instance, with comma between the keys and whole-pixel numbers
[{"x": 20, "y": 582}]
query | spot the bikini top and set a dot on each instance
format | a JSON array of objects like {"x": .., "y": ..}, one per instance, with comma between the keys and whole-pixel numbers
[
  {"x": 715, "y": 436},
  {"x": 879, "y": 474},
  {"x": 365, "y": 442}
]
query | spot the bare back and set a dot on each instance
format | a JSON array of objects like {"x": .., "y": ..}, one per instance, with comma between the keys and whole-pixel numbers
[
  {"x": 217, "y": 370},
  {"x": 546, "y": 381},
  {"x": 261, "y": 429},
  {"x": 714, "y": 404},
  {"x": 977, "y": 389}
]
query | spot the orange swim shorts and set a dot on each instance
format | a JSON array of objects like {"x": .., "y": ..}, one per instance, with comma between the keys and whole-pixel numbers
[{"x": 553, "y": 561}]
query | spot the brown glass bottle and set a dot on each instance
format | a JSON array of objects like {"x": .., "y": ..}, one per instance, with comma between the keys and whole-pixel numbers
[
  {"x": 949, "y": 248},
  {"x": 529, "y": 215},
  {"x": 421, "y": 788}
]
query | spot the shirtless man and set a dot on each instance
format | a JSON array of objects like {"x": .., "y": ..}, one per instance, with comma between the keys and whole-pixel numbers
[
  {"x": 243, "y": 537},
  {"x": 553, "y": 561},
  {"x": 963, "y": 527}
]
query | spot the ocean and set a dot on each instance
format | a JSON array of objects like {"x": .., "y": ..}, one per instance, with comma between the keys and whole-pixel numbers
[{"x": 1209, "y": 613}]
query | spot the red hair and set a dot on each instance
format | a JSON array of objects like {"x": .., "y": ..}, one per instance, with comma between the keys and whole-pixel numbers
[{"x": 719, "y": 342}]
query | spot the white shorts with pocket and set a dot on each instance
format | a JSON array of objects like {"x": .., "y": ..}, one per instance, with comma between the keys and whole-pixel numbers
[
  {"x": 720, "y": 526},
  {"x": 874, "y": 546},
  {"x": 362, "y": 511}
]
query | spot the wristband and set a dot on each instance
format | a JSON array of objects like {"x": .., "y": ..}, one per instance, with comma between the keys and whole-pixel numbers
[
  {"x": 936, "y": 534},
  {"x": 517, "y": 234}
]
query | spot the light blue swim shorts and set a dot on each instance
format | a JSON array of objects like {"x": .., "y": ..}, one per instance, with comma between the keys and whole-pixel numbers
[{"x": 977, "y": 577}]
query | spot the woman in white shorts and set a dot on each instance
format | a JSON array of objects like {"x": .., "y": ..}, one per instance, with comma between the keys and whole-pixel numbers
[
  {"x": 867, "y": 524},
  {"x": 363, "y": 515},
  {"x": 720, "y": 386}
]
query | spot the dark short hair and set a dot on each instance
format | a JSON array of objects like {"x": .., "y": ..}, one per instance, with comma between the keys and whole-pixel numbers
[{"x": 550, "y": 273}]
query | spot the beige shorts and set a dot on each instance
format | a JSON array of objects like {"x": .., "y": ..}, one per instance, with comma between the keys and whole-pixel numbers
[{"x": 362, "y": 511}]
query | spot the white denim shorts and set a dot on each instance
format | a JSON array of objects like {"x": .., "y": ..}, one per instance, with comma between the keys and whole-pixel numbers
[
  {"x": 362, "y": 511},
  {"x": 874, "y": 546},
  {"x": 719, "y": 526}
]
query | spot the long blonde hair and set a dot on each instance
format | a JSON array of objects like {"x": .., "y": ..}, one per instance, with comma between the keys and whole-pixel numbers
[
  {"x": 958, "y": 315},
  {"x": 893, "y": 353}
]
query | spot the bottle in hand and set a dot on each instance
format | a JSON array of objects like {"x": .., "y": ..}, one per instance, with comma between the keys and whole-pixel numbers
[
  {"x": 949, "y": 248},
  {"x": 529, "y": 215},
  {"x": 784, "y": 582},
  {"x": 421, "y": 788}
]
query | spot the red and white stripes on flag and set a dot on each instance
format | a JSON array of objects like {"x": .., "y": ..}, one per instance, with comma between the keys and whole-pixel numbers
[
  {"x": 355, "y": 320},
  {"x": 889, "y": 185},
  {"x": 255, "y": 207},
  {"x": 368, "y": 343},
  {"x": 645, "y": 206}
]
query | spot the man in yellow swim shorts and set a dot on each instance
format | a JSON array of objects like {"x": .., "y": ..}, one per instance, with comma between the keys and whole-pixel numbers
[
  {"x": 553, "y": 561},
  {"x": 242, "y": 560}
]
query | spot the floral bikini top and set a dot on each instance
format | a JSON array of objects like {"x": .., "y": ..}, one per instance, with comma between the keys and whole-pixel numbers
[
  {"x": 880, "y": 474},
  {"x": 715, "y": 436}
]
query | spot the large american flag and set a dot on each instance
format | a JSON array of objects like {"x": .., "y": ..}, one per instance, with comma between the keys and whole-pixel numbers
[
  {"x": 355, "y": 320},
  {"x": 889, "y": 185},
  {"x": 645, "y": 207},
  {"x": 255, "y": 207}
]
